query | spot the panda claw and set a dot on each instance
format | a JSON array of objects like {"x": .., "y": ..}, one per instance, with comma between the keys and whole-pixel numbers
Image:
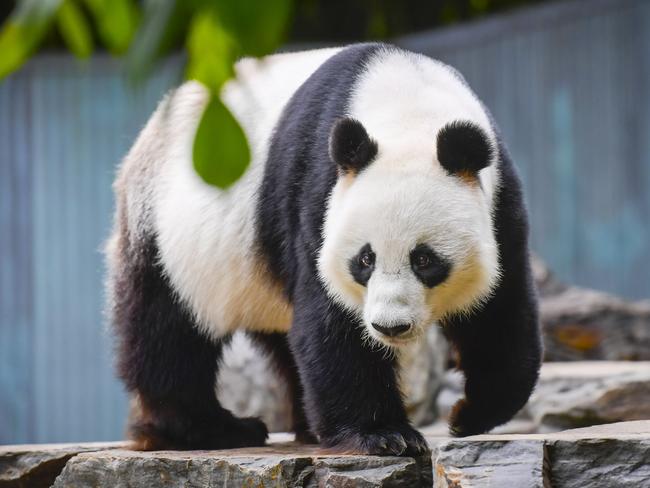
[{"x": 404, "y": 441}]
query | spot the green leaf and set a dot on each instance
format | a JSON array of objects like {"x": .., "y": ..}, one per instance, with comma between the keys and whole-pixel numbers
[
  {"x": 221, "y": 153},
  {"x": 259, "y": 27},
  {"x": 74, "y": 29},
  {"x": 212, "y": 51},
  {"x": 22, "y": 32},
  {"x": 116, "y": 22}
]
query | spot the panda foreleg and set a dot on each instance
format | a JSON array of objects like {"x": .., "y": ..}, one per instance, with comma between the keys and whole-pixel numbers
[
  {"x": 499, "y": 352},
  {"x": 352, "y": 398},
  {"x": 167, "y": 364},
  {"x": 276, "y": 346}
]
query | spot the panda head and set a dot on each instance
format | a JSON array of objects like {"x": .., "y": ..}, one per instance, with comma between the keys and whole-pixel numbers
[{"x": 408, "y": 236}]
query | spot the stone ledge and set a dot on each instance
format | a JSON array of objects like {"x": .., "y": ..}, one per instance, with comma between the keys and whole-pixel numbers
[
  {"x": 37, "y": 465},
  {"x": 594, "y": 457},
  {"x": 279, "y": 464}
]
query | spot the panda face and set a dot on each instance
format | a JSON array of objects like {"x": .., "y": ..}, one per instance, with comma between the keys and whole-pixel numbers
[{"x": 406, "y": 243}]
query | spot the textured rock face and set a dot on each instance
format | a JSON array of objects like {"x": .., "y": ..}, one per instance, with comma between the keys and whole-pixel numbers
[
  {"x": 617, "y": 455},
  {"x": 249, "y": 387},
  {"x": 582, "y": 324},
  {"x": 277, "y": 466},
  {"x": 586, "y": 393},
  {"x": 587, "y": 324},
  {"x": 459, "y": 463},
  {"x": 573, "y": 394},
  {"x": 598, "y": 457},
  {"x": 39, "y": 465}
]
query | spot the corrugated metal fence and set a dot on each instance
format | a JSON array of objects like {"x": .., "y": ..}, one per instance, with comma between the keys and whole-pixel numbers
[
  {"x": 63, "y": 127},
  {"x": 568, "y": 84}
]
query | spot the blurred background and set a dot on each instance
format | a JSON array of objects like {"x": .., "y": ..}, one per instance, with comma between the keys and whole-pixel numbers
[{"x": 568, "y": 82}]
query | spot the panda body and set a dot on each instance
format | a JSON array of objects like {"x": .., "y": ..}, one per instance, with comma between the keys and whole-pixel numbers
[{"x": 367, "y": 161}]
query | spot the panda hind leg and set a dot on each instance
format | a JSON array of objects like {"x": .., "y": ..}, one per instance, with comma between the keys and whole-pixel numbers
[
  {"x": 276, "y": 347},
  {"x": 168, "y": 365}
]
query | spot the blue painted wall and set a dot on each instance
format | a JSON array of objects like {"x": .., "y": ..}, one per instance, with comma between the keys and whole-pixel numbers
[
  {"x": 569, "y": 84},
  {"x": 63, "y": 127}
]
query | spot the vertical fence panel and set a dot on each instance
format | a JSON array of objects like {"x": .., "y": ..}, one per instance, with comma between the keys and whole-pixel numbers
[
  {"x": 16, "y": 240},
  {"x": 63, "y": 127}
]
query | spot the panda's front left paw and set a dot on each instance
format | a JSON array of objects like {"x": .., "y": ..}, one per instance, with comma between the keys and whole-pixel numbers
[
  {"x": 465, "y": 420},
  {"x": 400, "y": 441}
]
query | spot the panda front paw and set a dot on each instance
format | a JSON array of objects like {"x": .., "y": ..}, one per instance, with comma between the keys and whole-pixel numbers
[
  {"x": 465, "y": 420},
  {"x": 400, "y": 441},
  {"x": 224, "y": 431}
]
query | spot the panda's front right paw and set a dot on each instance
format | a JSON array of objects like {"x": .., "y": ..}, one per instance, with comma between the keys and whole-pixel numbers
[{"x": 401, "y": 441}]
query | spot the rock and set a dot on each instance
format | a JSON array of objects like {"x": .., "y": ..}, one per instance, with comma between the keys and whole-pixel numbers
[
  {"x": 38, "y": 465},
  {"x": 249, "y": 387},
  {"x": 278, "y": 465},
  {"x": 507, "y": 463},
  {"x": 580, "y": 324},
  {"x": 602, "y": 456},
  {"x": 586, "y": 324},
  {"x": 578, "y": 394},
  {"x": 545, "y": 281},
  {"x": 616, "y": 455},
  {"x": 569, "y": 395}
]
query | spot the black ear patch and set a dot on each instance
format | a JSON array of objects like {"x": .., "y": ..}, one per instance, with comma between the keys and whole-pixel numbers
[
  {"x": 351, "y": 148},
  {"x": 463, "y": 147}
]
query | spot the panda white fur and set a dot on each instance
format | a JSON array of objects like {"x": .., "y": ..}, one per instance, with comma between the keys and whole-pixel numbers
[{"x": 380, "y": 201}]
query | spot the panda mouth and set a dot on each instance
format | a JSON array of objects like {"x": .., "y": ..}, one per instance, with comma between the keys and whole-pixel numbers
[{"x": 401, "y": 340}]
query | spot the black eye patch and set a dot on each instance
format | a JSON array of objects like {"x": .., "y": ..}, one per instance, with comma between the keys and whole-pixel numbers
[
  {"x": 429, "y": 267},
  {"x": 362, "y": 265}
]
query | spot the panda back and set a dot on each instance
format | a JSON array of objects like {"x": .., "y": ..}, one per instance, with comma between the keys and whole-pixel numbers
[{"x": 205, "y": 237}]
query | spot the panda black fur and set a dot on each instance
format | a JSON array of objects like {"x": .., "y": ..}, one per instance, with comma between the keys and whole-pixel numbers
[{"x": 379, "y": 200}]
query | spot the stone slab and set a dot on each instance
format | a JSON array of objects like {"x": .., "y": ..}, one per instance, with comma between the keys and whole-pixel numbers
[
  {"x": 36, "y": 465},
  {"x": 596, "y": 457},
  {"x": 280, "y": 465}
]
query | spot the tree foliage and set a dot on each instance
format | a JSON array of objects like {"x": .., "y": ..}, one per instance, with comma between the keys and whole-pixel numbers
[{"x": 214, "y": 33}]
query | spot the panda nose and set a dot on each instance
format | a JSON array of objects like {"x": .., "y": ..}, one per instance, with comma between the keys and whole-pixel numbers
[{"x": 392, "y": 330}]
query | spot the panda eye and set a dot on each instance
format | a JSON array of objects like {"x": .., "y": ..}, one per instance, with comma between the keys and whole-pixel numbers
[
  {"x": 422, "y": 261},
  {"x": 367, "y": 259},
  {"x": 430, "y": 268},
  {"x": 362, "y": 265}
]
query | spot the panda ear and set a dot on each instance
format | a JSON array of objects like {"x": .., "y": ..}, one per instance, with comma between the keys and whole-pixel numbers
[
  {"x": 350, "y": 146},
  {"x": 463, "y": 147}
]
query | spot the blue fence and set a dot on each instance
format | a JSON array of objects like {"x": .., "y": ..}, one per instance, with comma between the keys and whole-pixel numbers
[{"x": 569, "y": 85}]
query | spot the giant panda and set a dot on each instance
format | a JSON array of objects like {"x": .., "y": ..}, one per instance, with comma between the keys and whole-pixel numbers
[{"x": 380, "y": 201}]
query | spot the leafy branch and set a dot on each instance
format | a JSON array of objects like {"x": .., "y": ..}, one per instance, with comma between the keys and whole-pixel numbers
[{"x": 216, "y": 33}]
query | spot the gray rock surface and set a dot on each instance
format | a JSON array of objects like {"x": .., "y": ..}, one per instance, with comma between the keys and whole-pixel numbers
[
  {"x": 249, "y": 386},
  {"x": 281, "y": 465},
  {"x": 489, "y": 463},
  {"x": 597, "y": 457},
  {"x": 38, "y": 465},
  {"x": 571, "y": 395},
  {"x": 581, "y": 324},
  {"x": 578, "y": 394}
]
